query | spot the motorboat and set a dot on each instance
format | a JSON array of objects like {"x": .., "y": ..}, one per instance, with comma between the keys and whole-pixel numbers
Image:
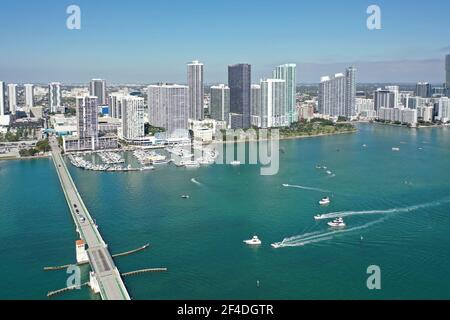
[
  {"x": 185, "y": 196},
  {"x": 235, "y": 163},
  {"x": 396, "y": 149},
  {"x": 276, "y": 245},
  {"x": 253, "y": 242},
  {"x": 319, "y": 217},
  {"x": 325, "y": 201},
  {"x": 337, "y": 223}
]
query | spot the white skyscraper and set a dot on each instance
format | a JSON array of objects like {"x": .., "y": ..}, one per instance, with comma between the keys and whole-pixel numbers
[
  {"x": 337, "y": 95},
  {"x": 2, "y": 98},
  {"x": 220, "y": 102},
  {"x": 196, "y": 90},
  {"x": 97, "y": 88},
  {"x": 133, "y": 118},
  {"x": 12, "y": 97},
  {"x": 288, "y": 72},
  {"x": 29, "y": 95},
  {"x": 168, "y": 107},
  {"x": 273, "y": 104},
  {"x": 444, "y": 110},
  {"x": 54, "y": 96}
]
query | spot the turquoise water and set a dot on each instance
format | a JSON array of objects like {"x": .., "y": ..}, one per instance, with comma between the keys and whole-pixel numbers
[{"x": 200, "y": 240}]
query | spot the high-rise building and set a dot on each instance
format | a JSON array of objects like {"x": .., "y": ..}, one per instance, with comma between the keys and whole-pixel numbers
[
  {"x": 337, "y": 94},
  {"x": 133, "y": 118},
  {"x": 256, "y": 105},
  {"x": 447, "y": 74},
  {"x": 273, "y": 104},
  {"x": 239, "y": 81},
  {"x": 444, "y": 110},
  {"x": 54, "y": 96},
  {"x": 384, "y": 99},
  {"x": 2, "y": 98},
  {"x": 288, "y": 72},
  {"x": 424, "y": 90},
  {"x": 220, "y": 103},
  {"x": 115, "y": 105},
  {"x": 87, "y": 115},
  {"x": 168, "y": 107},
  {"x": 29, "y": 95},
  {"x": 196, "y": 90},
  {"x": 97, "y": 88},
  {"x": 12, "y": 97}
]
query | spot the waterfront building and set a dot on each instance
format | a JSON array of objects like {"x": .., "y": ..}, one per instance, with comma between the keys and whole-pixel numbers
[
  {"x": 273, "y": 104},
  {"x": 133, "y": 118},
  {"x": 384, "y": 98},
  {"x": 88, "y": 138},
  {"x": 256, "y": 111},
  {"x": 425, "y": 113},
  {"x": 337, "y": 94},
  {"x": 288, "y": 73},
  {"x": 97, "y": 88},
  {"x": 12, "y": 97},
  {"x": 400, "y": 115},
  {"x": 239, "y": 81},
  {"x": 365, "y": 108},
  {"x": 168, "y": 108},
  {"x": 54, "y": 97},
  {"x": 220, "y": 102},
  {"x": 424, "y": 90},
  {"x": 444, "y": 110},
  {"x": 196, "y": 90},
  {"x": 29, "y": 95},
  {"x": 115, "y": 105},
  {"x": 3, "y": 108}
]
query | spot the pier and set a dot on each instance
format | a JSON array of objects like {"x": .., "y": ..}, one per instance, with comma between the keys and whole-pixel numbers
[{"x": 105, "y": 278}]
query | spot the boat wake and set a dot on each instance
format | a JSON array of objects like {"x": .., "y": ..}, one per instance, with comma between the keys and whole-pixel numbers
[
  {"x": 193, "y": 180},
  {"x": 381, "y": 212},
  {"x": 306, "y": 188},
  {"x": 305, "y": 239},
  {"x": 316, "y": 237}
]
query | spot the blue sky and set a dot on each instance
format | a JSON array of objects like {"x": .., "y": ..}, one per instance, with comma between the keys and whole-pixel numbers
[{"x": 144, "y": 41}]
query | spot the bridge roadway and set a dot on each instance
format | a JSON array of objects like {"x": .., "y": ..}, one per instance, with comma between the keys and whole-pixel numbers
[{"x": 102, "y": 264}]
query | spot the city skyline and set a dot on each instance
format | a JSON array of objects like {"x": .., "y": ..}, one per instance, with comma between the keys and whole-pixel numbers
[{"x": 391, "y": 54}]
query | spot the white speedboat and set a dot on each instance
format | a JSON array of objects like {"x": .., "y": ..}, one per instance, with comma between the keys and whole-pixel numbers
[
  {"x": 235, "y": 163},
  {"x": 276, "y": 245},
  {"x": 396, "y": 149},
  {"x": 337, "y": 223},
  {"x": 325, "y": 201},
  {"x": 185, "y": 196},
  {"x": 253, "y": 242},
  {"x": 319, "y": 217}
]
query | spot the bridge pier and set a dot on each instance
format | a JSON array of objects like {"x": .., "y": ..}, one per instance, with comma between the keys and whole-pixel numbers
[{"x": 93, "y": 283}]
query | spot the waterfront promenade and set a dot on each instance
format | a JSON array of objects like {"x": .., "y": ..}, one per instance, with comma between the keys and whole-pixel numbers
[{"x": 106, "y": 274}]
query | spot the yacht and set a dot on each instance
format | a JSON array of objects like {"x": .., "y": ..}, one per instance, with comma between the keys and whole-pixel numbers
[
  {"x": 337, "y": 223},
  {"x": 253, "y": 242},
  {"x": 395, "y": 149},
  {"x": 325, "y": 201}
]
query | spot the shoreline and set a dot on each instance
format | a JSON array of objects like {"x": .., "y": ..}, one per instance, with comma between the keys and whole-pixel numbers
[
  {"x": 24, "y": 158},
  {"x": 289, "y": 138}
]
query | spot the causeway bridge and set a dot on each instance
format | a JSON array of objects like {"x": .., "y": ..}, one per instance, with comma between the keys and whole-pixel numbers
[{"x": 105, "y": 278}]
